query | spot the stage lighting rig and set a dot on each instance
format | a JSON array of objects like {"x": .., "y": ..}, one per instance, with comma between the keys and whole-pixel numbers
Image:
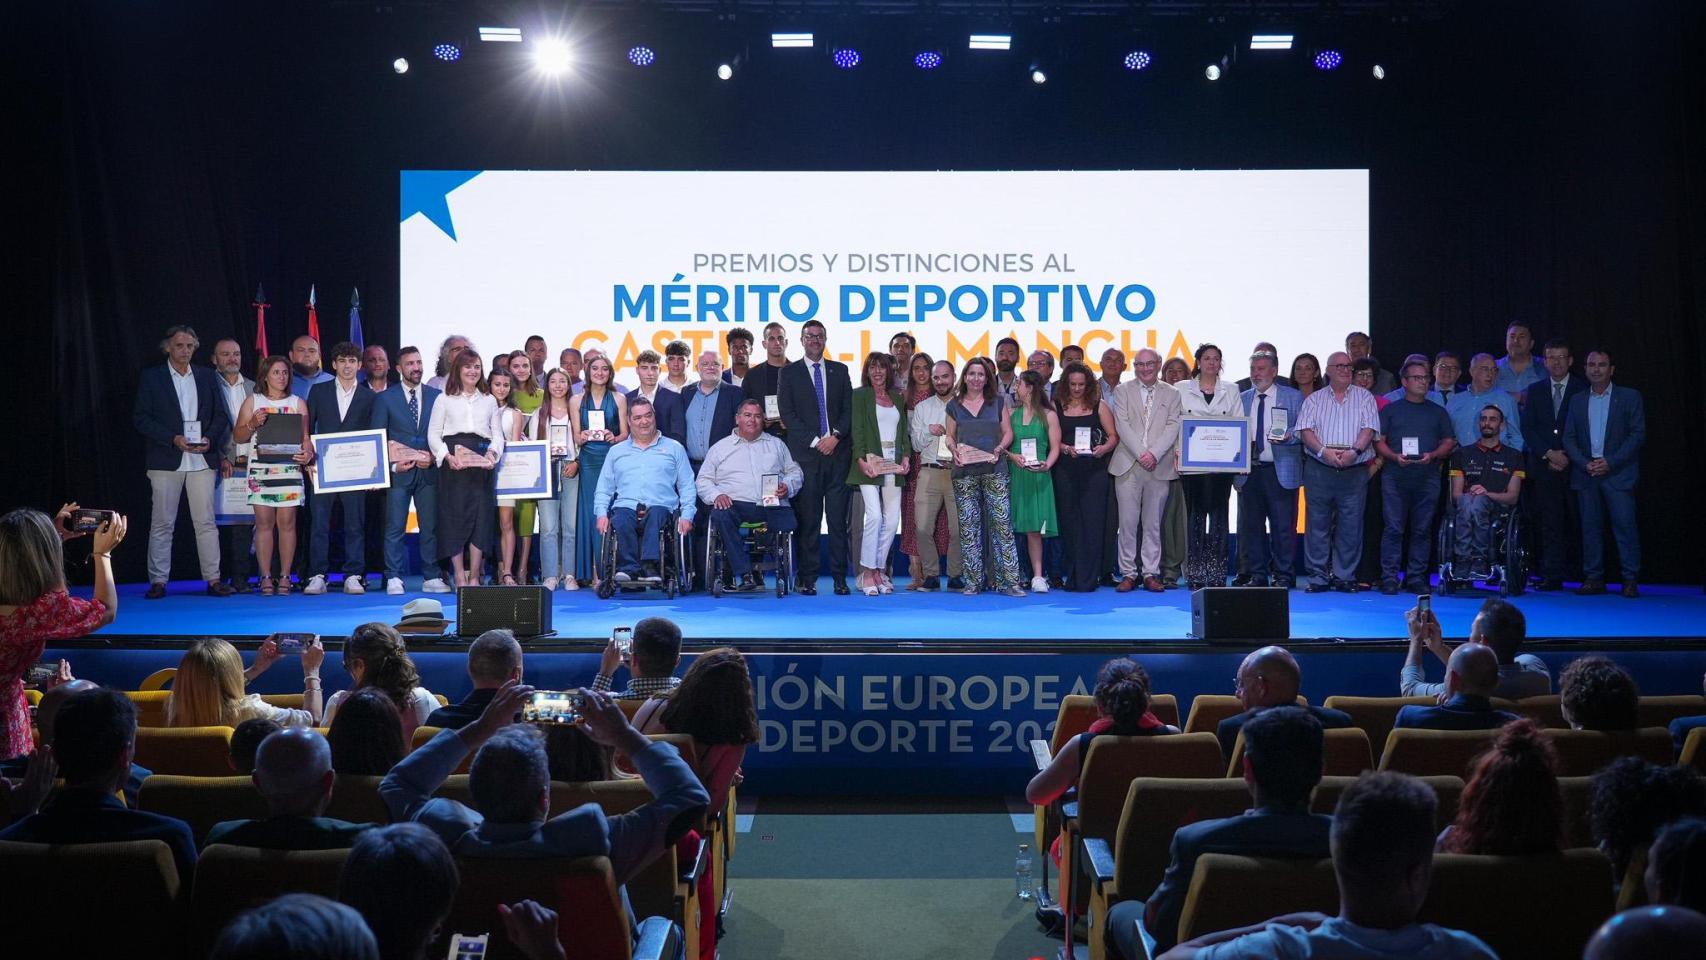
[
  {"x": 552, "y": 56},
  {"x": 401, "y": 65}
]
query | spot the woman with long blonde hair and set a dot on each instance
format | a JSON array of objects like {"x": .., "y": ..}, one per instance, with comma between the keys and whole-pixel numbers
[{"x": 208, "y": 690}]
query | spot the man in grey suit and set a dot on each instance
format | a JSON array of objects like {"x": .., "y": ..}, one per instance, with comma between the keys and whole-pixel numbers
[
  {"x": 1142, "y": 465},
  {"x": 1603, "y": 436},
  {"x": 1268, "y": 494},
  {"x": 235, "y": 539}
]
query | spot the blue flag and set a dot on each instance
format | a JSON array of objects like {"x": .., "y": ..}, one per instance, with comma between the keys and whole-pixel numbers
[{"x": 355, "y": 319}]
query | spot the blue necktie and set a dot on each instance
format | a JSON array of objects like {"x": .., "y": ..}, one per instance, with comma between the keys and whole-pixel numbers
[
  {"x": 1261, "y": 427},
  {"x": 415, "y": 407},
  {"x": 822, "y": 411}
]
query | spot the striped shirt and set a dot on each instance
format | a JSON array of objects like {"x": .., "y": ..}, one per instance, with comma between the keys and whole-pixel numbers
[{"x": 1337, "y": 422}]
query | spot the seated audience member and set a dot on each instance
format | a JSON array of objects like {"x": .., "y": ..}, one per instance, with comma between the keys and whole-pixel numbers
[
  {"x": 1122, "y": 705},
  {"x": 1676, "y": 865},
  {"x": 367, "y": 737},
  {"x": 300, "y": 926},
  {"x": 1511, "y": 805},
  {"x": 94, "y": 738},
  {"x": 494, "y": 658},
  {"x": 1649, "y": 932},
  {"x": 646, "y": 470},
  {"x": 574, "y": 757},
  {"x": 1680, "y": 727},
  {"x": 374, "y": 656},
  {"x": 1499, "y": 625},
  {"x": 246, "y": 738},
  {"x": 1632, "y": 799},
  {"x": 18, "y": 767},
  {"x": 293, "y": 772},
  {"x": 656, "y": 654},
  {"x": 1382, "y": 840},
  {"x": 402, "y": 881},
  {"x": 1471, "y": 676},
  {"x": 1597, "y": 694},
  {"x": 1270, "y": 677},
  {"x": 1283, "y": 751},
  {"x": 208, "y": 689},
  {"x": 511, "y": 785}
]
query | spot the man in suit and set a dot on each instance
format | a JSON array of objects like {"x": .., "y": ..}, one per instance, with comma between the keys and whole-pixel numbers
[
  {"x": 403, "y": 412},
  {"x": 1603, "y": 436},
  {"x": 671, "y": 412},
  {"x": 1543, "y": 415},
  {"x": 511, "y": 786},
  {"x": 710, "y": 406},
  {"x": 1279, "y": 378},
  {"x": 94, "y": 738},
  {"x": 293, "y": 774},
  {"x": 335, "y": 406},
  {"x": 1283, "y": 751},
  {"x": 1471, "y": 676},
  {"x": 816, "y": 400},
  {"x": 1267, "y": 495},
  {"x": 1142, "y": 466},
  {"x": 494, "y": 659},
  {"x": 1270, "y": 677},
  {"x": 763, "y": 382},
  {"x": 171, "y": 399},
  {"x": 235, "y": 539}
]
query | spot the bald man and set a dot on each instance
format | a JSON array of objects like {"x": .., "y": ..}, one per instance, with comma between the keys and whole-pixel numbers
[
  {"x": 1471, "y": 676},
  {"x": 293, "y": 772},
  {"x": 1270, "y": 677},
  {"x": 46, "y": 710},
  {"x": 305, "y": 370},
  {"x": 1675, "y": 932}
]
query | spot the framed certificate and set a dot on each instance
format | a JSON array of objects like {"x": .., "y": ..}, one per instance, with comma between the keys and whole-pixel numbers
[
  {"x": 231, "y": 500},
  {"x": 1214, "y": 444},
  {"x": 524, "y": 473},
  {"x": 351, "y": 461}
]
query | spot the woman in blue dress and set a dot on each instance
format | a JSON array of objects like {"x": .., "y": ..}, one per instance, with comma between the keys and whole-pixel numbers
[{"x": 598, "y": 397}]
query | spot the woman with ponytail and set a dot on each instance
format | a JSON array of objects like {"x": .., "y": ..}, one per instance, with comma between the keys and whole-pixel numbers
[
  {"x": 374, "y": 656},
  {"x": 1511, "y": 805}
]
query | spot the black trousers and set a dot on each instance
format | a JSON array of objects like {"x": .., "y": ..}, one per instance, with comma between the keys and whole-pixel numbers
[
  {"x": 1558, "y": 513},
  {"x": 823, "y": 494},
  {"x": 236, "y": 543}
]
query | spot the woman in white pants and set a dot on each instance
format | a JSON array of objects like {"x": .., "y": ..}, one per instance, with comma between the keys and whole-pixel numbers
[{"x": 881, "y": 451}]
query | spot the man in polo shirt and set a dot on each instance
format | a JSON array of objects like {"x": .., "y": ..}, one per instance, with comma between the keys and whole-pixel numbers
[
  {"x": 1483, "y": 475},
  {"x": 1337, "y": 427},
  {"x": 1415, "y": 438}
]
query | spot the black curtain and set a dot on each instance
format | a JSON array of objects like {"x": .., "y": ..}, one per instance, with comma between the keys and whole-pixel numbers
[{"x": 1538, "y": 161}]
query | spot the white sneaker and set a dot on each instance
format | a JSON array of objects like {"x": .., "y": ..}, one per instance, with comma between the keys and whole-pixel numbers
[
  {"x": 316, "y": 585},
  {"x": 394, "y": 586},
  {"x": 550, "y": 584},
  {"x": 435, "y": 585},
  {"x": 354, "y": 586},
  {"x": 1039, "y": 585}
]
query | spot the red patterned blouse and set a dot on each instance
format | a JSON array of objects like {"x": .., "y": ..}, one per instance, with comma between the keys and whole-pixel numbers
[{"x": 23, "y": 635}]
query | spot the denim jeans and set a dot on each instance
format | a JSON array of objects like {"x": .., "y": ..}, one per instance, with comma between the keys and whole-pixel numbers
[{"x": 557, "y": 529}]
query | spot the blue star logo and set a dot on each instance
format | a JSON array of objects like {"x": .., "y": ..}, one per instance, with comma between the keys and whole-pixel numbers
[{"x": 426, "y": 192}]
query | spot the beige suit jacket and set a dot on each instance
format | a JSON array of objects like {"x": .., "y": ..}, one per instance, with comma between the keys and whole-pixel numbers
[{"x": 1156, "y": 433}]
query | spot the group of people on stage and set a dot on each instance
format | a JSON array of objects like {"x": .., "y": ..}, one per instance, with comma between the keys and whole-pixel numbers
[{"x": 962, "y": 465}]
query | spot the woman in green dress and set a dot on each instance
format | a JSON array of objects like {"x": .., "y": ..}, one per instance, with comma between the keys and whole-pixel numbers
[
  {"x": 526, "y": 395},
  {"x": 1030, "y": 484}
]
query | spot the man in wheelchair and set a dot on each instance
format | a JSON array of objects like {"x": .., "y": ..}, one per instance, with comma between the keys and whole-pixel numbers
[
  {"x": 748, "y": 477},
  {"x": 647, "y": 470},
  {"x": 1486, "y": 479}
]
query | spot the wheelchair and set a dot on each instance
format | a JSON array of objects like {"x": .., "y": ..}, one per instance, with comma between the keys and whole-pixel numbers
[
  {"x": 1507, "y": 562},
  {"x": 672, "y": 563},
  {"x": 771, "y": 551}
]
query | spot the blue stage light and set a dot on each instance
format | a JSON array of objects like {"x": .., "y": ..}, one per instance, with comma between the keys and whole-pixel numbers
[
  {"x": 641, "y": 56},
  {"x": 1138, "y": 60},
  {"x": 847, "y": 58},
  {"x": 1329, "y": 60},
  {"x": 448, "y": 52},
  {"x": 927, "y": 60}
]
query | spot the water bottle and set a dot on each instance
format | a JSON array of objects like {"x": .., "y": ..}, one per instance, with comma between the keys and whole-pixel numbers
[{"x": 1022, "y": 872}]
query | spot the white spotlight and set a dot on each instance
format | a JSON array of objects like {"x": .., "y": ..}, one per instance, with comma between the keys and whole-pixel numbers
[
  {"x": 725, "y": 71},
  {"x": 400, "y": 65},
  {"x": 552, "y": 56},
  {"x": 1213, "y": 71},
  {"x": 991, "y": 41},
  {"x": 1379, "y": 72},
  {"x": 1038, "y": 77},
  {"x": 791, "y": 40},
  {"x": 1271, "y": 41}
]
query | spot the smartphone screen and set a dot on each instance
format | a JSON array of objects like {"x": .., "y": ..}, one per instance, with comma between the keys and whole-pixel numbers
[
  {"x": 465, "y": 947},
  {"x": 292, "y": 644},
  {"x": 1424, "y": 603},
  {"x": 553, "y": 706},
  {"x": 623, "y": 637}
]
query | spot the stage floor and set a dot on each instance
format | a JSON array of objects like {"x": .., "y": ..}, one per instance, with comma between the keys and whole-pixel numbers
[{"x": 1662, "y": 613}]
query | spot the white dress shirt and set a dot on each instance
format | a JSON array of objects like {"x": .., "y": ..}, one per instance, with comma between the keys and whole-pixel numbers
[
  {"x": 345, "y": 397},
  {"x": 475, "y": 413},
  {"x": 931, "y": 411},
  {"x": 188, "y": 405},
  {"x": 736, "y": 467}
]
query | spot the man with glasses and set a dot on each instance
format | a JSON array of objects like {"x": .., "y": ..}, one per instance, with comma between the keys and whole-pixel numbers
[
  {"x": 815, "y": 395},
  {"x": 1465, "y": 407},
  {"x": 1337, "y": 427},
  {"x": 1269, "y": 677},
  {"x": 1143, "y": 465},
  {"x": 1416, "y": 436}
]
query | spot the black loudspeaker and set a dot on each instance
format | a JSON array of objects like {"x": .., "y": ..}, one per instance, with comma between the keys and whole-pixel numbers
[
  {"x": 1236, "y": 614},
  {"x": 525, "y": 610}
]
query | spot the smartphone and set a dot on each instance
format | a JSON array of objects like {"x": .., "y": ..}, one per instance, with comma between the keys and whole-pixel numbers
[
  {"x": 623, "y": 637},
  {"x": 41, "y": 673},
  {"x": 292, "y": 644},
  {"x": 465, "y": 947},
  {"x": 86, "y": 521},
  {"x": 553, "y": 706},
  {"x": 1424, "y": 603}
]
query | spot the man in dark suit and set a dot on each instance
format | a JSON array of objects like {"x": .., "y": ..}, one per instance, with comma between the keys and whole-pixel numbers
[
  {"x": 403, "y": 411},
  {"x": 1544, "y": 411},
  {"x": 710, "y": 406},
  {"x": 1471, "y": 677},
  {"x": 816, "y": 400},
  {"x": 1603, "y": 435},
  {"x": 763, "y": 382},
  {"x": 94, "y": 738},
  {"x": 293, "y": 773},
  {"x": 1283, "y": 751},
  {"x": 172, "y": 400},
  {"x": 335, "y": 406},
  {"x": 494, "y": 659},
  {"x": 671, "y": 411},
  {"x": 1268, "y": 678}
]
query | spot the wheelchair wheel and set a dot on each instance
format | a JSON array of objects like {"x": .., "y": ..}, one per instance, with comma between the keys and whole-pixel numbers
[
  {"x": 1447, "y": 546},
  {"x": 607, "y": 567},
  {"x": 714, "y": 563},
  {"x": 1516, "y": 560},
  {"x": 784, "y": 543}
]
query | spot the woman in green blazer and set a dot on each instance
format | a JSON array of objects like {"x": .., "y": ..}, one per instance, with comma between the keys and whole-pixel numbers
[{"x": 881, "y": 452}]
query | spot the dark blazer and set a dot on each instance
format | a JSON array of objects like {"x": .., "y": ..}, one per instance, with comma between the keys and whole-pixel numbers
[
  {"x": 85, "y": 816},
  {"x": 459, "y": 715},
  {"x": 323, "y": 409},
  {"x": 1462, "y": 712},
  {"x": 288, "y": 833},
  {"x": 761, "y": 381},
  {"x": 729, "y": 399},
  {"x": 1625, "y": 433},
  {"x": 159, "y": 419},
  {"x": 671, "y": 413},
  {"x": 1541, "y": 431},
  {"x": 390, "y": 413},
  {"x": 798, "y": 399},
  {"x": 1228, "y": 730}
]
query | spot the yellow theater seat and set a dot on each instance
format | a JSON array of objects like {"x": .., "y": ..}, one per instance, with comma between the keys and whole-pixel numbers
[
  {"x": 93, "y": 899},
  {"x": 230, "y": 880},
  {"x": 159, "y": 679},
  {"x": 1447, "y": 790},
  {"x": 1346, "y": 753},
  {"x": 185, "y": 751},
  {"x": 150, "y": 706},
  {"x": 1523, "y": 907},
  {"x": 201, "y": 802},
  {"x": 1229, "y": 891},
  {"x": 1208, "y": 709},
  {"x": 357, "y": 800},
  {"x": 1424, "y": 753},
  {"x": 1582, "y": 753}
]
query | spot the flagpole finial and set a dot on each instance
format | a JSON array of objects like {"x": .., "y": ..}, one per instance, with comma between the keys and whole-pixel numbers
[
  {"x": 260, "y": 293},
  {"x": 354, "y": 297}
]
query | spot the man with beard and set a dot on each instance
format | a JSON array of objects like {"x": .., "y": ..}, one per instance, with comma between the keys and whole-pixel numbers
[
  {"x": 403, "y": 411},
  {"x": 934, "y": 492},
  {"x": 1006, "y": 360},
  {"x": 305, "y": 366},
  {"x": 1482, "y": 474},
  {"x": 376, "y": 367}
]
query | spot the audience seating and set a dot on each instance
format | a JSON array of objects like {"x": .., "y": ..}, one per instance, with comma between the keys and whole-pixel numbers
[
  {"x": 1660, "y": 711},
  {"x": 1376, "y": 715},
  {"x": 423, "y": 735},
  {"x": 202, "y": 802},
  {"x": 289, "y": 701},
  {"x": 185, "y": 751},
  {"x": 1346, "y": 754},
  {"x": 1578, "y": 797},
  {"x": 1078, "y": 711},
  {"x": 357, "y": 800},
  {"x": 1448, "y": 789},
  {"x": 1523, "y": 907},
  {"x": 230, "y": 880},
  {"x": 92, "y": 899},
  {"x": 1208, "y": 709},
  {"x": 1230, "y": 891},
  {"x": 32, "y": 697},
  {"x": 1583, "y": 752},
  {"x": 1546, "y": 709},
  {"x": 159, "y": 679},
  {"x": 1632, "y": 892},
  {"x": 150, "y": 706},
  {"x": 591, "y": 920},
  {"x": 1434, "y": 752},
  {"x": 1694, "y": 750}
]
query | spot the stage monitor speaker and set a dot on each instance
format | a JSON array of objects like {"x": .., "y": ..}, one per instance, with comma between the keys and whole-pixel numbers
[
  {"x": 1237, "y": 614},
  {"x": 524, "y": 610}
]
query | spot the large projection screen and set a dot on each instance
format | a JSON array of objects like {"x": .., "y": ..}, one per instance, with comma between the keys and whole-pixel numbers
[{"x": 628, "y": 261}]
